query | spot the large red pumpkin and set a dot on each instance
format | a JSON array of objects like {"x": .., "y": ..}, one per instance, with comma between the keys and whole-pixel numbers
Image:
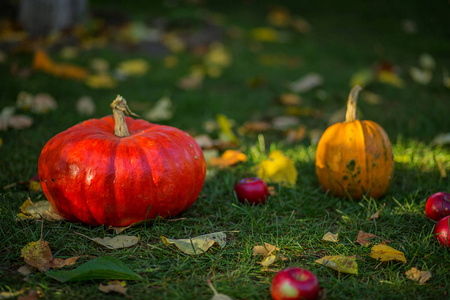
[{"x": 117, "y": 171}]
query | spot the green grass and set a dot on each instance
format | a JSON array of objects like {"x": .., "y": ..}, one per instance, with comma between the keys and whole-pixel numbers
[{"x": 344, "y": 40}]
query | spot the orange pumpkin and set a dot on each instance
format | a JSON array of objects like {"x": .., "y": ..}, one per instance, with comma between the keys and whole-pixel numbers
[{"x": 354, "y": 158}]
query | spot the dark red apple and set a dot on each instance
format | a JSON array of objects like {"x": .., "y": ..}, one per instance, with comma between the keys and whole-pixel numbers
[
  {"x": 438, "y": 206},
  {"x": 441, "y": 231},
  {"x": 253, "y": 190},
  {"x": 295, "y": 284}
]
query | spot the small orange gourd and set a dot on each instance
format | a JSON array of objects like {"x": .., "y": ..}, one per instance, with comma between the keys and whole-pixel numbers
[{"x": 354, "y": 158}]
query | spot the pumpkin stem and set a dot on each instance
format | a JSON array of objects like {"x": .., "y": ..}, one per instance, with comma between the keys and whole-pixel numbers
[
  {"x": 350, "y": 115},
  {"x": 120, "y": 108}
]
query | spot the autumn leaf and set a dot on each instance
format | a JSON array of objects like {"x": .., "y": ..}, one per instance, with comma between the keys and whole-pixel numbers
[
  {"x": 390, "y": 78},
  {"x": 38, "y": 210},
  {"x": 279, "y": 16},
  {"x": 161, "y": 110},
  {"x": 85, "y": 106},
  {"x": 133, "y": 67},
  {"x": 340, "y": 263},
  {"x": 43, "y": 62},
  {"x": 199, "y": 244},
  {"x": 228, "y": 158},
  {"x": 306, "y": 83},
  {"x": 114, "y": 286},
  {"x": 278, "y": 169},
  {"x": 100, "y": 81},
  {"x": 265, "y": 34},
  {"x": 226, "y": 133},
  {"x": 269, "y": 253},
  {"x": 386, "y": 253},
  {"x": 57, "y": 263},
  {"x": 364, "y": 238},
  {"x": 117, "y": 242},
  {"x": 420, "y": 76},
  {"x": 330, "y": 237},
  {"x": 290, "y": 99},
  {"x": 38, "y": 254},
  {"x": 376, "y": 215},
  {"x": 418, "y": 276}
]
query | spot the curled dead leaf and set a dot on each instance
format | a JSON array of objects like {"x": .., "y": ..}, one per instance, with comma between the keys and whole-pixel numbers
[
  {"x": 331, "y": 237},
  {"x": 418, "y": 275},
  {"x": 340, "y": 263},
  {"x": 197, "y": 245}
]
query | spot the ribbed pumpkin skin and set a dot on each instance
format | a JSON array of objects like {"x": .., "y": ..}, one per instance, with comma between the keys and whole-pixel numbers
[
  {"x": 355, "y": 158},
  {"x": 92, "y": 176}
]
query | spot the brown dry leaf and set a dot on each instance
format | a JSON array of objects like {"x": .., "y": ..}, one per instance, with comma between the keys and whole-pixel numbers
[
  {"x": 363, "y": 238},
  {"x": 228, "y": 158},
  {"x": 386, "y": 253},
  {"x": 301, "y": 25},
  {"x": 38, "y": 210},
  {"x": 417, "y": 275},
  {"x": 114, "y": 286},
  {"x": 340, "y": 263},
  {"x": 296, "y": 135},
  {"x": 330, "y": 237},
  {"x": 57, "y": 263},
  {"x": 290, "y": 99},
  {"x": 375, "y": 215},
  {"x": 38, "y": 254},
  {"x": 199, "y": 244},
  {"x": 279, "y": 16},
  {"x": 269, "y": 253},
  {"x": 254, "y": 127}
]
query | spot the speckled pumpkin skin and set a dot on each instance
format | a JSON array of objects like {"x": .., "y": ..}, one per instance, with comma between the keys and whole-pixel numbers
[
  {"x": 355, "y": 159},
  {"x": 90, "y": 175}
]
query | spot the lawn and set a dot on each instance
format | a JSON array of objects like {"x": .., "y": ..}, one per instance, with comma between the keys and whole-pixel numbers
[{"x": 258, "y": 62}]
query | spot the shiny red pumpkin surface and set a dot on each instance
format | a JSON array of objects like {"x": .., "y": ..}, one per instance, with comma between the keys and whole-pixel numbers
[{"x": 92, "y": 176}]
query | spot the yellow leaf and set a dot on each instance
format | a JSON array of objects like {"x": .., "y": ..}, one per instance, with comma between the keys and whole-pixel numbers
[
  {"x": 278, "y": 169},
  {"x": 279, "y": 16},
  {"x": 362, "y": 78},
  {"x": 199, "y": 244},
  {"x": 42, "y": 62},
  {"x": 38, "y": 254},
  {"x": 340, "y": 263},
  {"x": 390, "y": 78},
  {"x": 265, "y": 34},
  {"x": 101, "y": 81},
  {"x": 268, "y": 260},
  {"x": 133, "y": 67},
  {"x": 60, "y": 262},
  {"x": 228, "y": 158},
  {"x": 265, "y": 250},
  {"x": 417, "y": 275},
  {"x": 330, "y": 237},
  {"x": 170, "y": 61},
  {"x": 217, "y": 55},
  {"x": 226, "y": 133},
  {"x": 386, "y": 253}
]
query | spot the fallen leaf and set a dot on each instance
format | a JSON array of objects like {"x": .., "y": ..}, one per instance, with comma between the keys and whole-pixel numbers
[
  {"x": 100, "y": 268},
  {"x": 278, "y": 169},
  {"x": 24, "y": 100},
  {"x": 265, "y": 34},
  {"x": 265, "y": 250},
  {"x": 420, "y": 76},
  {"x": 57, "y": 263},
  {"x": 301, "y": 25},
  {"x": 386, "y": 253},
  {"x": 441, "y": 139},
  {"x": 26, "y": 270},
  {"x": 268, "y": 260},
  {"x": 364, "y": 238},
  {"x": 362, "y": 77},
  {"x": 117, "y": 242},
  {"x": 43, "y": 62},
  {"x": 330, "y": 237},
  {"x": 254, "y": 127},
  {"x": 20, "y": 122},
  {"x": 204, "y": 141},
  {"x": 43, "y": 103},
  {"x": 199, "y": 244},
  {"x": 340, "y": 263},
  {"x": 285, "y": 122},
  {"x": 376, "y": 215},
  {"x": 217, "y": 296},
  {"x": 417, "y": 275},
  {"x": 226, "y": 133},
  {"x": 192, "y": 81},
  {"x": 161, "y": 110},
  {"x": 217, "y": 56},
  {"x": 390, "y": 78},
  {"x": 228, "y": 158},
  {"x": 6, "y": 295},
  {"x": 100, "y": 81},
  {"x": 290, "y": 99},
  {"x": 133, "y": 67},
  {"x": 38, "y": 254},
  {"x": 427, "y": 62},
  {"x": 170, "y": 61},
  {"x": 115, "y": 286},
  {"x": 100, "y": 65},
  {"x": 38, "y": 210},
  {"x": 296, "y": 135},
  {"x": 306, "y": 83},
  {"x": 173, "y": 42},
  {"x": 85, "y": 106},
  {"x": 279, "y": 16}
]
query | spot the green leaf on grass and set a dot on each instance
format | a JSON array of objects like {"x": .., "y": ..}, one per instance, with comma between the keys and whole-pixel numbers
[{"x": 99, "y": 268}]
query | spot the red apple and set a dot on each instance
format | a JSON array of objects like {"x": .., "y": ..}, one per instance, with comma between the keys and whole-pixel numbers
[
  {"x": 438, "y": 206},
  {"x": 253, "y": 190},
  {"x": 441, "y": 231},
  {"x": 295, "y": 283}
]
